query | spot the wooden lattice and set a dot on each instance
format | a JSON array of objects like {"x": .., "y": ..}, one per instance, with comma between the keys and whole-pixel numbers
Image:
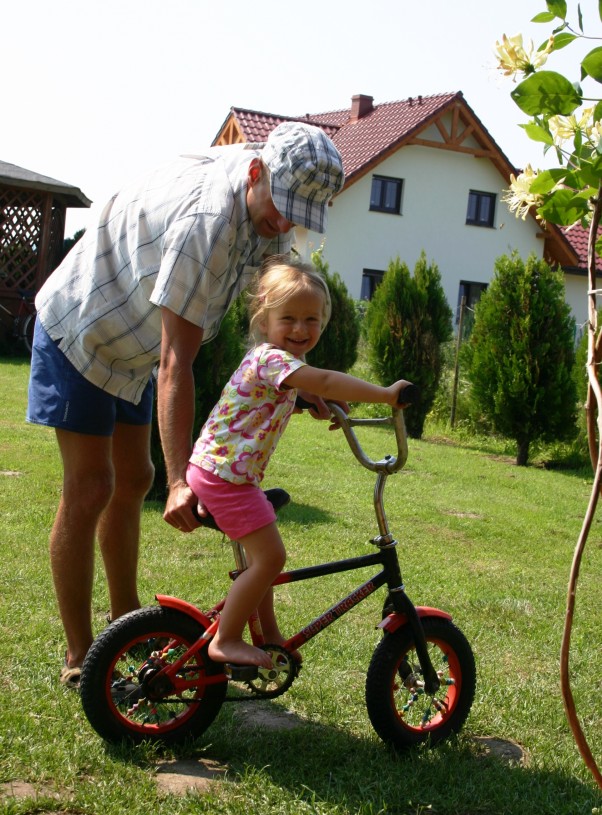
[{"x": 31, "y": 237}]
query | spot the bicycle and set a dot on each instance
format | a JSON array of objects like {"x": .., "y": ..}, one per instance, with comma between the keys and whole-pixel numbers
[
  {"x": 147, "y": 676},
  {"x": 25, "y": 318}
]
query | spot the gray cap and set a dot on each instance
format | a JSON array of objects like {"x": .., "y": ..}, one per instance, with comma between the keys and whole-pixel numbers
[{"x": 306, "y": 170}]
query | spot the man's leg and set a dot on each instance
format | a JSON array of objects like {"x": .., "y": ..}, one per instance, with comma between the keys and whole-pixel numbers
[
  {"x": 87, "y": 488},
  {"x": 119, "y": 525}
]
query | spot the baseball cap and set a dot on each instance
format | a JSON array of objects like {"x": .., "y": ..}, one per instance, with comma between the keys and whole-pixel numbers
[{"x": 306, "y": 170}]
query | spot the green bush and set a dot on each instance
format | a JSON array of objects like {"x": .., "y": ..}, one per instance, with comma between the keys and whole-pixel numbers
[
  {"x": 407, "y": 321},
  {"x": 337, "y": 349},
  {"x": 522, "y": 354}
]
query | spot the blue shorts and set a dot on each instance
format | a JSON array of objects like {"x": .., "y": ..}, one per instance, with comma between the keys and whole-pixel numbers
[{"x": 59, "y": 396}]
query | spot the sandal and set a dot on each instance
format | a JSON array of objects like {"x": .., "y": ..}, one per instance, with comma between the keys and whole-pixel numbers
[{"x": 70, "y": 677}]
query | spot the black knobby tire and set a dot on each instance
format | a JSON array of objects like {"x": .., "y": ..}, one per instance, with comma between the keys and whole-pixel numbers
[
  {"x": 27, "y": 331},
  {"x": 119, "y": 700},
  {"x": 401, "y": 712}
]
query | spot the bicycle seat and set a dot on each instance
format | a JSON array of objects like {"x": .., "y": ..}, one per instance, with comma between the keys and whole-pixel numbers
[{"x": 277, "y": 497}]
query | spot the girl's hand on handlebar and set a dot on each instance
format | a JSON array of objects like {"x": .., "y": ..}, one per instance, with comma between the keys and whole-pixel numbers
[
  {"x": 319, "y": 409},
  {"x": 402, "y": 393}
]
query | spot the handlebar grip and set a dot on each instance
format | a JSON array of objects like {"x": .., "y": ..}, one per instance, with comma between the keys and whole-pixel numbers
[
  {"x": 409, "y": 394},
  {"x": 303, "y": 404}
]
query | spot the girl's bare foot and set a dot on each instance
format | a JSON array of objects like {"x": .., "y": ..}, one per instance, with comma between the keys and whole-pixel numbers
[
  {"x": 238, "y": 652},
  {"x": 278, "y": 639}
]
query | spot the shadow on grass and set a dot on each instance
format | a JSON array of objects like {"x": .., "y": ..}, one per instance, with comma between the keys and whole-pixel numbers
[
  {"x": 295, "y": 512},
  {"x": 328, "y": 768},
  {"x": 565, "y": 460}
]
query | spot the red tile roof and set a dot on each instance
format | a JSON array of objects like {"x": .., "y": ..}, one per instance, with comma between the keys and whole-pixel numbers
[
  {"x": 578, "y": 237},
  {"x": 361, "y": 142},
  {"x": 381, "y": 129},
  {"x": 365, "y": 141}
]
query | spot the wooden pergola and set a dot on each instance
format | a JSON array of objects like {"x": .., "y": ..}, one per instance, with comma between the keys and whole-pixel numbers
[{"x": 32, "y": 229}]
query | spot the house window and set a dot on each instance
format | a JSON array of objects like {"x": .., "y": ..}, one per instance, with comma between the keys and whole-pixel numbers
[
  {"x": 370, "y": 280},
  {"x": 472, "y": 292},
  {"x": 385, "y": 195},
  {"x": 481, "y": 208}
]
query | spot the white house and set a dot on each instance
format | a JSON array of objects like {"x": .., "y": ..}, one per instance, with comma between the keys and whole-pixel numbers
[{"x": 421, "y": 174}]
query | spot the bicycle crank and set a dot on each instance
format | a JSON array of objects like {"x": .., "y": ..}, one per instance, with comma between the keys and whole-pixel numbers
[{"x": 272, "y": 682}]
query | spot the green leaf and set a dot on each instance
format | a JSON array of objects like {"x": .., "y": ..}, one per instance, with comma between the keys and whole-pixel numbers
[
  {"x": 577, "y": 181},
  {"x": 592, "y": 64},
  {"x": 538, "y": 133},
  {"x": 546, "y": 92},
  {"x": 557, "y": 8},
  {"x": 589, "y": 174},
  {"x": 560, "y": 41},
  {"x": 544, "y": 17},
  {"x": 563, "y": 207},
  {"x": 546, "y": 180}
]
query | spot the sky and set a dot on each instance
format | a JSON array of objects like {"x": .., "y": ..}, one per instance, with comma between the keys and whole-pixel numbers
[{"x": 96, "y": 92}]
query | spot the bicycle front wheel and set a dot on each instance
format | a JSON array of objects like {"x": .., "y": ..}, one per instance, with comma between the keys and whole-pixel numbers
[
  {"x": 119, "y": 694},
  {"x": 401, "y": 712}
]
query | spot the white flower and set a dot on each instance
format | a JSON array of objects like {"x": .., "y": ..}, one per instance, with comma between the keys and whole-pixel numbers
[
  {"x": 514, "y": 57},
  {"x": 564, "y": 128},
  {"x": 519, "y": 197}
]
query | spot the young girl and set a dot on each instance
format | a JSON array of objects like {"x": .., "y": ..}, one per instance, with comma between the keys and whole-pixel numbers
[{"x": 288, "y": 312}]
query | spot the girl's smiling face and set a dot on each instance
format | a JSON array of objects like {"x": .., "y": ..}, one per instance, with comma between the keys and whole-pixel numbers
[{"x": 295, "y": 325}]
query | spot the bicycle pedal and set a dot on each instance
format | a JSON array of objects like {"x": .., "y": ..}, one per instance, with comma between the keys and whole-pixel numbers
[{"x": 241, "y": 673}]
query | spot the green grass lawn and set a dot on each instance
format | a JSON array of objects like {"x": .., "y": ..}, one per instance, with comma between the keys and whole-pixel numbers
[{"x": 487, "y": 541}]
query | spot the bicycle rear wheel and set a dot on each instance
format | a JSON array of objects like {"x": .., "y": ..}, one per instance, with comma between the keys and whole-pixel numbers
[
  {"x": 401, "y": 712},
  {"x": 27, "y": 327},
  {"x": 119, "y": 693}
]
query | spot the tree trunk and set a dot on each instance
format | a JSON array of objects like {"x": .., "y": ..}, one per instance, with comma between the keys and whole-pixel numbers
[{"x": 522, "y": 452}]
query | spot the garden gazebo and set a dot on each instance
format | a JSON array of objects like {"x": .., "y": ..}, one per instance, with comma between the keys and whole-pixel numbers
[{"x": 32, "y": 229}]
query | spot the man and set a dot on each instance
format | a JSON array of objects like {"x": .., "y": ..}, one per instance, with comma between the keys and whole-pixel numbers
[{"x": 150, "y": 284}]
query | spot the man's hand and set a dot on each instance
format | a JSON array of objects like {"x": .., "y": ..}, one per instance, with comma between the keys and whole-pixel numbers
[{"x": 179, "y": 508}]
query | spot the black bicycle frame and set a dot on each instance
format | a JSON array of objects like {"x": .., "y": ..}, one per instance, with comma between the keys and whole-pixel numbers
[
  {"x": 389, "y": 575},
  {"x": 347, "y": 603}
]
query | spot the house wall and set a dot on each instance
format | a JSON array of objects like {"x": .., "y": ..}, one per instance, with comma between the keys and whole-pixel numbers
[
  {"x": 436, "y": 184},
  {"x": 576, "y": 297}
]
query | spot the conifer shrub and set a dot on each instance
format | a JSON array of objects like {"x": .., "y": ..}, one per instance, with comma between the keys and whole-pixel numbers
[
  {"x": 407, "y": 322},
  {"x": 337, "y": 349},
  {"x": 522, "y": 354}
]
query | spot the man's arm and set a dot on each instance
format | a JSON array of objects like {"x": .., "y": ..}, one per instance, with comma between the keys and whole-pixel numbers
[{"x": 180, "y": 344}]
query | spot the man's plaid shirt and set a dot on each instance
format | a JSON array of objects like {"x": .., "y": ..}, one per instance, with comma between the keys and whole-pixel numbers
[{"x": 180, "y": 239}]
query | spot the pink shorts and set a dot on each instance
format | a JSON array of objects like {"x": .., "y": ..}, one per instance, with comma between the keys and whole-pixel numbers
[{"x": 238, "y": 509}]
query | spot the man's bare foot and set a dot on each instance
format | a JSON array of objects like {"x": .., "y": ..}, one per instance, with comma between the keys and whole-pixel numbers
[{"x": 238, "y": 652}]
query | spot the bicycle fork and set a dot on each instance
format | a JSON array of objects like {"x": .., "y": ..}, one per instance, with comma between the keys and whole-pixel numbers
[{"x": 401, "y": 602}]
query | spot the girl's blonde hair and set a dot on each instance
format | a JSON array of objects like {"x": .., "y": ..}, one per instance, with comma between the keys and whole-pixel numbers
[{"x": 279, "y": 279}]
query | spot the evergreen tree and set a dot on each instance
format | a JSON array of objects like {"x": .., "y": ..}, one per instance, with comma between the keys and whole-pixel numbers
[
  {"x": 407, "y": 321},
  {"x": 522, "y": 354},
  {"x": 337, "y": 349}
]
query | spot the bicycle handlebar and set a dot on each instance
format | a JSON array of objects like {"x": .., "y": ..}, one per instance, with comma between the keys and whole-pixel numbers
[{"x": 408, "y": 395}]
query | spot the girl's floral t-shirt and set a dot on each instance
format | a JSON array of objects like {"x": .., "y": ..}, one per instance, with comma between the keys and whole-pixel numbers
[{"x": 244, "y": 427}]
